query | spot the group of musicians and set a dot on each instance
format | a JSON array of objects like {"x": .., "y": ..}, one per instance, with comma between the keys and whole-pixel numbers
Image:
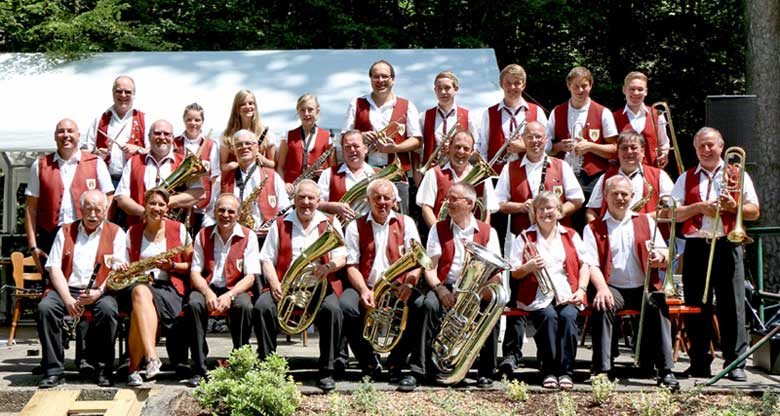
[{"x": 262, "y": 201}]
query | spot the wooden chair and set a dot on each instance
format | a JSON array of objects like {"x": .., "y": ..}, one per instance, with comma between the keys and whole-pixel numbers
[{"x": 21, "y": 277}]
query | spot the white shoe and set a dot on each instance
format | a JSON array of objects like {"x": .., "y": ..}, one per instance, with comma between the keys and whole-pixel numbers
[
  {"x": 153, "y": 368},
  {"x": 134, "y": 379}
]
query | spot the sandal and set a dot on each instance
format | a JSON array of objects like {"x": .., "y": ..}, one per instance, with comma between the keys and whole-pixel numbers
[
  {"x": 550, "y": 382},
  {"x": 565, "y": 382}
]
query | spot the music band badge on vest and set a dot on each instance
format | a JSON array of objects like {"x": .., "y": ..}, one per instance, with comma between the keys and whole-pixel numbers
[
  {"x": 91, "y": 184},
  {"x": 240, "y": 264},
  {"x": 558, "y": 190},
  {"x": 206, "y": 165},
  {"x": 108, "y": 260},
  {"x": 272, "y": 201},
  {"x": 594, "y": 134}
]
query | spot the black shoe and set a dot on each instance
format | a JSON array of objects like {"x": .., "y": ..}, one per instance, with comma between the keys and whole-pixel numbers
[
  {"x": 484, "y": 383},
  {"x": 51, "y": 381},
  {"x": 737, "y": 374},
  {"x": 85, "y": 368},
  {"x": 104, "y": 381},
  {"x": 326, "y": 384},
  {"x": 669, "y": 381},
  {"x": 395, "y": 376},
  {"x": 339, "y": 368},
  {"x": 409, "y": 383},
  {"x": 193, "y": 381},
  {"x": 693, "y": 372},
  {"x": 508, "y": 365}
]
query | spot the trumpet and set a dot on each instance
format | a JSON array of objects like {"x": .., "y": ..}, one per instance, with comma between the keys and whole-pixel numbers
[
  {"x": 546, "y": 284},
  {"x": 386, "y": 134},
  {"x": 438, "y": 157},
  {"x": 663, "y": 109},
  {"x": 733, "y": 181},
  {"x": 502, "y": 155},
  {"x": 571, "y": 157}
]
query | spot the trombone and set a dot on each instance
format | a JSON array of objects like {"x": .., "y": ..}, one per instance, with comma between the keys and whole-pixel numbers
[{"x": 663, "y": 110}]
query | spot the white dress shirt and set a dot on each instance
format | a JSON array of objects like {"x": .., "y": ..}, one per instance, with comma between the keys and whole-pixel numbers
[
  {"x": 85, "y": 249},
  {"x": 251, "y": 260},
  {"x": 152, "y": 248},
  {"x": 637, "y": 185},
  {"x": 627, "y": 273},
  {"x": 350, "y": 180},
  {"x": 580, "y": 115},
  {"x": 193, "y": 146},
  {"x": 434, "y": 247},
  {"x": 506, "y": 125},
  {"x": 115, "y": 125},
  {"x": 154, "y": 174},
  {"x": 452, "y": 119},
  {"x": 678, "y": 193},
  {"x": 68, "y": 168},
  {"x": 312, "y": 140},
  {"x": 380, "y": 243},
  {"x": 281, "y": 199},
  {"x": 429, "y": 188},
  {"x": 572, "y": 190},
  {"x": 639, "y": 121},
  {"x": 380, "y": 117},
  {"x": 301, "y": 238}
]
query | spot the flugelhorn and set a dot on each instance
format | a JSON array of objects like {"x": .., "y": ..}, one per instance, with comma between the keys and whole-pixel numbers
[
  {"x": 733, "y": 181},
  {"x": 466, "y": 326},
  {"x": 663, "y": 109},
  {"x": 302, "y": 291},
  {"x": 385, "y": 323},
  {"x": 385, "y": 136},
  {"x": 479, "y": 173}
]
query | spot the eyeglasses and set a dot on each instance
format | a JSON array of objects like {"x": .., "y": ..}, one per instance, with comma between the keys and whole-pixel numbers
[
  {"x": 123, "y": 92},
  {"x": 162, "y": 133},
  {"x": 454, "y": 199},
  {"x": 239, "y": 145}
]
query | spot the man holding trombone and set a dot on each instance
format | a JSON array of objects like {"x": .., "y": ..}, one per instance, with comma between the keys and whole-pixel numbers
[{"x": 713, "y": 198}]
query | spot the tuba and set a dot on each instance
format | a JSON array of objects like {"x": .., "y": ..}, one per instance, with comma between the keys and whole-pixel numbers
[
  {"x": 466, "y": 326},
  {"x": 301, "y": 290},
  {"x": 481, "y": 172},
  {"x": 136, "y": 271},
  {"x": 663, "y": 109},
  {"x": 191, "y": 167},
  {"x": 355, "y": 197},
  {"x": 386, "y": 322}
]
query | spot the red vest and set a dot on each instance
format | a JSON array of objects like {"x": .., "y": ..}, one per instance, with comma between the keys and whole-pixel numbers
[
  {"x": 233, "y": 274},
  {"x": 641, "y": 234},
  {"x": 444, "y": 180},
  {"x": 526, "y": 287},
  {"x": 496, "y": 137},
  {"x": 653, "y": 176},
  {"x": 228, "y": 183},
  {"x": 692, "y": 196},
  {"x": 51, "y": 187},
  {"x": 205, "y": 155},
  {"x": 429, "y": 135},
  {"x": 395, "y": 240},
  {"x": 447, "y": 242},
  {"x": 363, "y": 123},
  {"x": 136, "y": 133},
  {"x": 293, "y": 163},
  {"x": 105, "y": 247},
  {"x": 592, "y": 164},
  {"x": 649, "y": 132},
  {"x": 520, "y": 190},
  {"x": 284, "y": 259},
  {"x": 338, "y": 183},
  {"x": 179, "y": 280},
  {"x": 137, "y": 185}
]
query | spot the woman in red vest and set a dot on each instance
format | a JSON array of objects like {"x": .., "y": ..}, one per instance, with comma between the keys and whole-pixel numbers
[
  {"x": 551, "y": 250},
  {"x": 304, "y": 144},
  {"x": 159, "y": 301},
  {"x": 244, "y": 115}
]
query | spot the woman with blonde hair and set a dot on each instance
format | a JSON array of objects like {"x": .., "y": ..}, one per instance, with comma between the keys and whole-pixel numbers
[{"x": 244, "y": 115}]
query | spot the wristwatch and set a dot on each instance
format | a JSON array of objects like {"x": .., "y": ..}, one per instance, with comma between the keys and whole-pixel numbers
[{"x": 232, "y": 298}]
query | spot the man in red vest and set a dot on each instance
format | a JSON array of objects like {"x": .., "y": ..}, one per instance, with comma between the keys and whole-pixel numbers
[
  {"x": 148, "y": 170},
  {"x": 697, "y": 192},
  {"x": 285, "y": 242},
  {"x": 78, "y": 248},
  {"x": 616, "y": 248},
  {"x": 640, "y": 118},
  {"x": 224, "y": 263},
  {"x": 57, "y": 180},
  {"x": 374, "y": 242},
  {"x": 337, "y": 180},
  {"x": 647, "y": 182},
  {"x": 373, "y": 112},
  {"x": 446, "y": 248},
  {"x": 118, "y": 133}
]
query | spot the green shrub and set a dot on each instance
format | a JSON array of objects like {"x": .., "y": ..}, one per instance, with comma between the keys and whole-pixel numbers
[
  {"x": 770, "y": 403},
  {"x": 247, "y": 386},
  {"x": 366, "y": 398},
  {"x": 602, "y": 388},
  {"x": 660, "y": 403},
  {"x": 565, "y": 405},
  {"x": 515, "y": 391}
]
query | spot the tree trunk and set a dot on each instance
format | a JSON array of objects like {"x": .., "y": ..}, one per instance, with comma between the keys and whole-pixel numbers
[{"x": 763, "y": 71}]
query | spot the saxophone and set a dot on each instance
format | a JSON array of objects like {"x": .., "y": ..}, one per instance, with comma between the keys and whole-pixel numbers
[
  {"x": 309, "y": 172},
  {"x": 638, "y": 205},
  {"x": 245, "y": 211},
  {"x": 136, "y": 271}
]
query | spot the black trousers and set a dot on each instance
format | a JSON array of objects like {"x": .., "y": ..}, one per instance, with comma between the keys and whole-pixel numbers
[
  {"x": 556, "y": 338},
  {"x": 101, "y": 336},
  {"x": 329, "y": 321},
  {"x": 657, "y": 332},
  {"x": 354, "y": 315},
  {"x": 728, "y": 282},
  {"x": 197, "y": 315}
]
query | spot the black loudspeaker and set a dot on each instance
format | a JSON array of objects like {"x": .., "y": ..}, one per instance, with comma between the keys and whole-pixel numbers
[{"x": 735, "y": 117}]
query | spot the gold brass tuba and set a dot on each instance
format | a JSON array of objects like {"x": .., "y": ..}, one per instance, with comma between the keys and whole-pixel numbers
[
  {"x": 301, "y": 290},
  {"x": 663, "y": 109},
  {"x": 733, "y": 181},
  {"x": 356, "y": 196},
  {"x": 385, "y": 323},
  {"x": 481, "y": 172},
  {"x": 136, "y": 271},
  {"x": 191, "y": 167},
  {"x": 465, "y": 327}
]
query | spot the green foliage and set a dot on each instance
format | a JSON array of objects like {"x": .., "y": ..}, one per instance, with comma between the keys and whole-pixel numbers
[
  {"x": 337, "y": 405},
  {"x": 770, "y": 403},
  {"x": 366, "y": 398},
  {"x": 602, "y": 388},
  {"x": 565, "y": 405},
  {"x": 515, "y": 391},
  {"x": 659, "y": 403},
  {"x": 247, "y": 386}
]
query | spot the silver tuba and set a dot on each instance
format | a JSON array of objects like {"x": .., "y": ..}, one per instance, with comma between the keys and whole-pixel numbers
[{"x": 466, "y": 326}]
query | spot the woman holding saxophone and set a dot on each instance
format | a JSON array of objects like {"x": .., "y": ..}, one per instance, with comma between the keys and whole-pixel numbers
[
  {"x": 159, "y": 251},
  {"x": 552, "y": 279}
]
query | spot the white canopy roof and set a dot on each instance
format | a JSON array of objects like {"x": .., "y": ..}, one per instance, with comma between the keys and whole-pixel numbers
[{"x": 37, "y": 94}]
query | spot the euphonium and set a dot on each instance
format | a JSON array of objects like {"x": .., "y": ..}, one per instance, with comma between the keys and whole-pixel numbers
[
  {"x": 391, "y": 129},
  {"x": 355, "y": 197},
  {"x": 663, "y": 109},
  {"x": 191, "y": 167},
  {"x": 481, "y": 172},
  {"x": 302, "y": 291},
  {"x": 385, "y": 323},
  {"x": 136, "y": 271},
  {"x": 733, "y": 181},
  {"x": 466, "y": 326}
]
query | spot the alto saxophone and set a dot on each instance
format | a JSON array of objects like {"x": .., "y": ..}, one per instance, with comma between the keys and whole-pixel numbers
[
  {"x": 245, "y": 211},
  {"x": 136, "y": 271},
  {"x": 638, "y": 205}
]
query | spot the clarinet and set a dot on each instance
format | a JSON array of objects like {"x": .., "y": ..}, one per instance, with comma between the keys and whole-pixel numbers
[
  {"x": 70, "y": 329},
  {"x": 545, "y": 164}
]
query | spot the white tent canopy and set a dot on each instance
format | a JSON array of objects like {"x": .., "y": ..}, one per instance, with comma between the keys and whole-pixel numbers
[{"x": 37, "y": 95}]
